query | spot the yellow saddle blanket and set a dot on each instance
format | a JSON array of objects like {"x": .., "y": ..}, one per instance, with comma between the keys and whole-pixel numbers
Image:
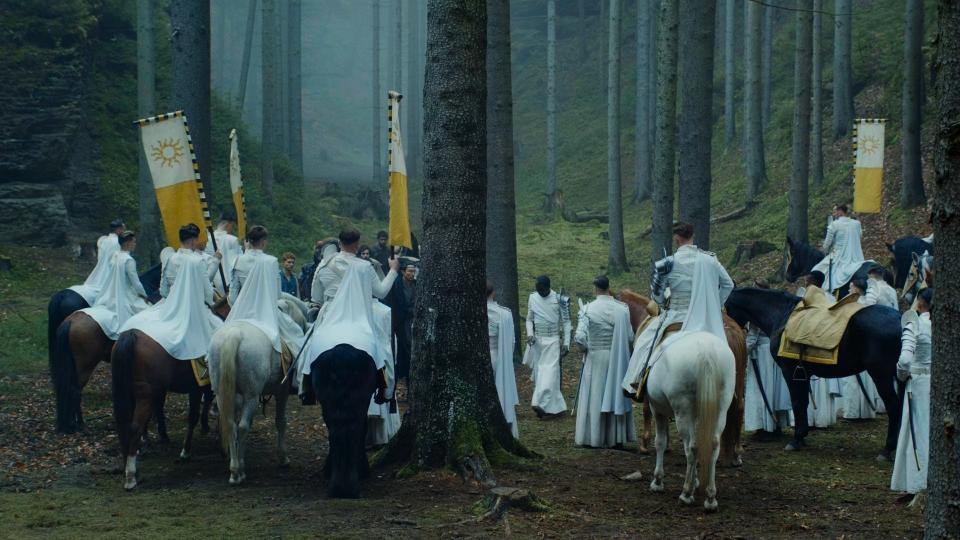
[
  {"x": 201, "y": 371},
  {"x": 816, "y": 326}
]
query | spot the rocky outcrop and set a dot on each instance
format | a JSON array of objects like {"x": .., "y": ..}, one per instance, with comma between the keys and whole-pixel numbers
[{"x": 33, "y": 213}]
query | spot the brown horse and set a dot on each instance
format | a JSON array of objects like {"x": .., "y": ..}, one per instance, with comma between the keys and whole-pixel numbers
[
  {"x": 731, "y": 448},
  {"x": 79, "y": 346}
]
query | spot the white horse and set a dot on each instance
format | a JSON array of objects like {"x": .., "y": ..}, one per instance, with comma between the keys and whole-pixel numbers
[
  {"x": 244, "y": 366},
  {"x": 693, "y": 381},
  {"x": 294, "y": 308}
]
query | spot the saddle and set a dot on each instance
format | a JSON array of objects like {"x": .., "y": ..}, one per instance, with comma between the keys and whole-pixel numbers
[
  {"x": 816, "y": 326},
  {"x": 201, "y": 371}
]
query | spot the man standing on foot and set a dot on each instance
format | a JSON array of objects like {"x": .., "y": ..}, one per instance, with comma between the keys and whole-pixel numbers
[{"x": 547, "y": 315}]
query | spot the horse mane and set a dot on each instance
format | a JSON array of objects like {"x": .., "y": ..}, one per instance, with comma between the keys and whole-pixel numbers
[
  {"x": 637, "y": 304},
  {"x": 774, "y": 306}
]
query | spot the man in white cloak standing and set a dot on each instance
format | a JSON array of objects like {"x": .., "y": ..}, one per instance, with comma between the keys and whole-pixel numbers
[
  {"x": 844, "y": 256},
  {"x": 604, "y": 413},
  {"x": 107, "y": 245},
  {"x": 500, "y": 330},
  {"x": 228, "y": 245},
  {"x": 123, "y": 295},
  {"x": 698, "y": 286},
  {"x": 766, "y": 396},
  {"x": 548, "y": 314}
]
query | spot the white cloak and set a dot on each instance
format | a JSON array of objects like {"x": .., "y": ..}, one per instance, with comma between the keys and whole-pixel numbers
[
  {"x": 756, "y": 416},
  {"x": 500, "y": 330},
  {"x": 122, "y": 296},
  {"x": 257, "y": 305},
  {"x": 915, "y": 357},
  {"x": 107, "y": 245},
  {"x": 543, "y": 357},
  {"x": 842, "y": 247},
  {"x": 230, "y": 250},
  {"x": 382, "y": 424}
]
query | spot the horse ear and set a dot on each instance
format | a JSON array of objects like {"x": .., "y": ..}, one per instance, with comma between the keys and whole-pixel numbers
[{"x": 889, "y": 247}]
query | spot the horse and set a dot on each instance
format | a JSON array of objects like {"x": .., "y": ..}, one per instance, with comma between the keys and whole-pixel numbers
[
  {"x": 295, "y": 308},
  {"x": 693, "y": 381},
  {"x": 871, "y": 343},
  {"x": 731, "y": 449},
  {"x": 903, "y": 251},
  {"x": 802, "y": 257},
  {"x": 246, "y": 366},
  {"x": 919, "y": 277}
]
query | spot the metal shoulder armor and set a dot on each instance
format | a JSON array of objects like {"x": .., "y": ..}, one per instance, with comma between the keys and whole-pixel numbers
[{"x": 658, "y": 280}]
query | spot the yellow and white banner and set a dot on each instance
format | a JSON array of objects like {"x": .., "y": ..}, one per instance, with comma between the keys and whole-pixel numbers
[
  {"x": 868, "y": 148},
  {"x": 236, "y": 186},
  {"x": 176, "y": 175},
  {"x": 399, "y": 207}
]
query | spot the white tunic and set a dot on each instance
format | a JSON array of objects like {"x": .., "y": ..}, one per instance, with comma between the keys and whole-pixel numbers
[
  {"x": 756, "y": 416},
  {"x": 122, "y": 296},
  {"x": 330, "y": 272},
  {"x": 382, "y": 424},
  {"x": 182, "y": 324},
  {"x": 915, "y": 357},
  {"x": 880, "y": 293},
  {"x": 241, "y": 269},
  {"x": 500, "y": 330},
  {"x": 172, "y": 268},
  {"x": 544, "y": 321},
  {"x": 257, "y": 304},
  {"x": 230, "y": 249},
  {"x": 107, "y": 245},
  {"x": 842, "y": 246},
  {"x": 604, "y": 330}
]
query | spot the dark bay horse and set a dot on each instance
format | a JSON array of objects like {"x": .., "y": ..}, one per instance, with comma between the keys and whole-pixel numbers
[
  {"x": 870, "y": 343},
  {"x": 802, "y": 257},
  {"x": 731, "y": 448},
  {"x": 903, "y": 251}
]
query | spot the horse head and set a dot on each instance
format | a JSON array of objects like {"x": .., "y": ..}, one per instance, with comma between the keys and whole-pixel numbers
[
  {"x": 800, "y": 259},
  {"x": 765, "y": 308},
  {"x": 914, "y": 280},
  {"x": 902, "y": 251}
]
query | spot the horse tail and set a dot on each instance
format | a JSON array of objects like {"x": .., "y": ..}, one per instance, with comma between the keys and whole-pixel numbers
[
  {"x": 226, "y": 391},
  {"x": 121, "y": 367},
  {"x": 708, "y": 408},
  {"x": 63, "y": 374}
]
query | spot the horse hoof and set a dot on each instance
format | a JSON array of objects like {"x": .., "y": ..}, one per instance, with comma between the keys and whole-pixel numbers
[
  {"x": 130, "y": 482},
  {"x": 656, "y": 486},
  {"x": 710, "y": 505},
  {"x": 184, "y": 455},
  {"x": 737, "y": 462},
  {"x": 686, "y": 499},
  {"x": 790, "y": 447},
  {"x": 644, "y": 450},
  {"x": 884, "y": 457},
  {"x": 235, "y": 479}
]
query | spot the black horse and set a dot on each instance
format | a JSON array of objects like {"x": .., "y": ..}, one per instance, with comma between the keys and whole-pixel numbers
[
  {"x": 870, "y": 343},
  {"x": 802, "y": 257},
  {"x": 344, "y": 379},
  {"x": 902, "y": 251}
]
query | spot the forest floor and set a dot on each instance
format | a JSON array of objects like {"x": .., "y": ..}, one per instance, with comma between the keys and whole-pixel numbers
[{"x": 70, "y": 486}]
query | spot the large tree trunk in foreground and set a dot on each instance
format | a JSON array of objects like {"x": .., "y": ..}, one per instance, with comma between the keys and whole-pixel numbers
[
  {"x": 729, "y": 72},
  {"x": 501, "y": 197},
  {"x": 294, "y": 87},
  {"x": 272, "y": 137},
  {"x": 551, "y": 106},
  {"x": 617, "y": 255},
  {"x": 149, "y": 241},
  {"x": 842, "y": 71},
  {"x": 943, "y": 505},
  {"x": 911, "y": 193},
  {"x": 754, "y": 152},
  {"x": 190, "y": 45},
  {"x": 376, "y": 99},
  {"x": 455, "y": 417},
  {"x": 799, "y": 177},
  {"x": 414, "y": 93},
  {"x": 643, "y": 160},
  {"x": 665, "y": 165},
  {"x": 816, "y": 130},
  {"x": 696, "y": 117}
]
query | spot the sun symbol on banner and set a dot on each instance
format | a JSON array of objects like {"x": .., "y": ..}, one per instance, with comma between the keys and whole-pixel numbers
[
  {"x": 870, "y": 145},
  {"x": 168, "y": 152}
]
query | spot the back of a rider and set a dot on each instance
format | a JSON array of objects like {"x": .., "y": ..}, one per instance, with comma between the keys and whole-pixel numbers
[{"x": 680, "y": 279}]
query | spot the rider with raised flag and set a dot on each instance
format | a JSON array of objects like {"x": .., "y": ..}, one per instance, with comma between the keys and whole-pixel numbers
[
  {"x": 548, "y": 313},
  {"x": 189, "y": 247},
  {"x": 698, "y": 285},
  {"x": 228, "y": 244},
  {"x": 107, "y": 245},
  {"x": 123, "y": 295},
  {"x": 332, "y": 269},
  {"x": 842, "y": 246}
]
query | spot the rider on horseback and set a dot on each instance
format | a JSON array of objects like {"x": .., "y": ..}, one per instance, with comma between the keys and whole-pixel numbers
[
  {"x": 107, "y": 245},
  {"x": 189, "y": 247},
  {"x": 842, "y": 246}
]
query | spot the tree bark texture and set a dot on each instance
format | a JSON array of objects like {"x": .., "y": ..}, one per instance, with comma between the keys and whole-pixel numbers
[
  {"x": 643, "y": 158},
  {"x": 455, "y": 417},
  {"x": 414, "y": 94},
  {"x": 943, "y": 504},
  {"x": 695, "y": 86},
  {"x": 376, "y": 99},
  {"x": 912, "y": 193},
  {"x": 767, "y": 58},
  {"x": 756, "y": 165},
  {"x": 654, "y": 16},
  {"x": 149, "y": 241},
  {"x": 729, "y": 72},
  {"x": 816, "y": 130},
  {"x": 295, "y": 87},
  {"x": 551, "y": 106},
  {"x": 271, "y": 125},
  {"x": 247, "y": 51},
  {"x": 398, "y": 46},
  {"x": 842, "y": 70},
  {"x": 617, "y": 256},
  {"x": 283, "y": 55},
  {"x": 501, "y": 197},
  {"x": 665, "y": 165},
  {"x": 799, "y": 178},
  {"x": 190, "y": 45}
]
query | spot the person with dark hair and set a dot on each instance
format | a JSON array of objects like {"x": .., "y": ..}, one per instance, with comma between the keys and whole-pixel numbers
[
  {"x": 107, "y": 245},
  {"x": 189, "y": 245},
  {"x": 698, "y": 285},
  {"x": 500, "y": 330},
  {"x": 305, "y": 279},
  {"x": 227, "y": 244},
  {"x": 257, "y": 242},
  {"x": 548, "y": 341},
  {"x": 913, "y": 446},
  {"x": 403, "y": 303},
  {"x": 878, "y": 291},
  {"x": 844, "y": 256},
  {"x": 381, "y": 251},
  {"x": 124, "y": 295},
  {"x": 330, "y": 271},
  {"x": 288, "y": 281},
  {"x": 604, "y": 414}
]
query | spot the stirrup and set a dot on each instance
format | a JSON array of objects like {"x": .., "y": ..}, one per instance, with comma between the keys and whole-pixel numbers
[{"x": 804, "y": 376}]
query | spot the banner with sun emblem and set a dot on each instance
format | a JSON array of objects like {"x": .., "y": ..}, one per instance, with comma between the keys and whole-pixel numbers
[
  {"x": 236, "y": 185},
  {"x": 176, "y": 177},
  {"x": 868, "y": 148}
]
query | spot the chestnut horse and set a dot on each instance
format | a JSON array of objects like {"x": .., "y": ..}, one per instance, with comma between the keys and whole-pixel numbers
[{"x": 731, "y": 449}]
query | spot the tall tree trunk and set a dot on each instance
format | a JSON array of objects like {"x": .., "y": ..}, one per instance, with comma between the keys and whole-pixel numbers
[
  {"x": 753, "y": 89},
  {"x": 842, "y": 70},
  {"x": 398, "y": 46},
  {"x": 911, "y": 193},
  {"x": 665, "y": 165},
  {"x": 501, "y": 205},
  {"x": 551, "y": 106},
  {"x": 697, "y": 36},
  {"x": 149, "y": 241},
  {"x": 602, "y": 59},
  {"x": 617, "y": 259},
  {"x": 284, "y": 75},
  {"x": 582, "y": 31},
  {"x": 247, "y": 49},
  {"x": 413, "y": 95},
  {"x": 295, "y": 87},
  {"x": 455, "y": 417},
  {"x": 767, "y": 58},
  {"x": 816, "y": 132},
  {"x": 643, "y": 162},
  {"x": 652, "y": 107},
  {"x": 376, "y": 100},
  {"x": 270, "y": 67},
  {"x": 943, "y": 505},
  {"x": 190, "y": 40},
  {"x": 799, "y": 178},
  {"x": 729, "y": 72}
]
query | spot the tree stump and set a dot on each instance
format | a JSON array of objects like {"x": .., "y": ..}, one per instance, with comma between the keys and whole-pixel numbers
[{"x": 501, "y": 499}]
